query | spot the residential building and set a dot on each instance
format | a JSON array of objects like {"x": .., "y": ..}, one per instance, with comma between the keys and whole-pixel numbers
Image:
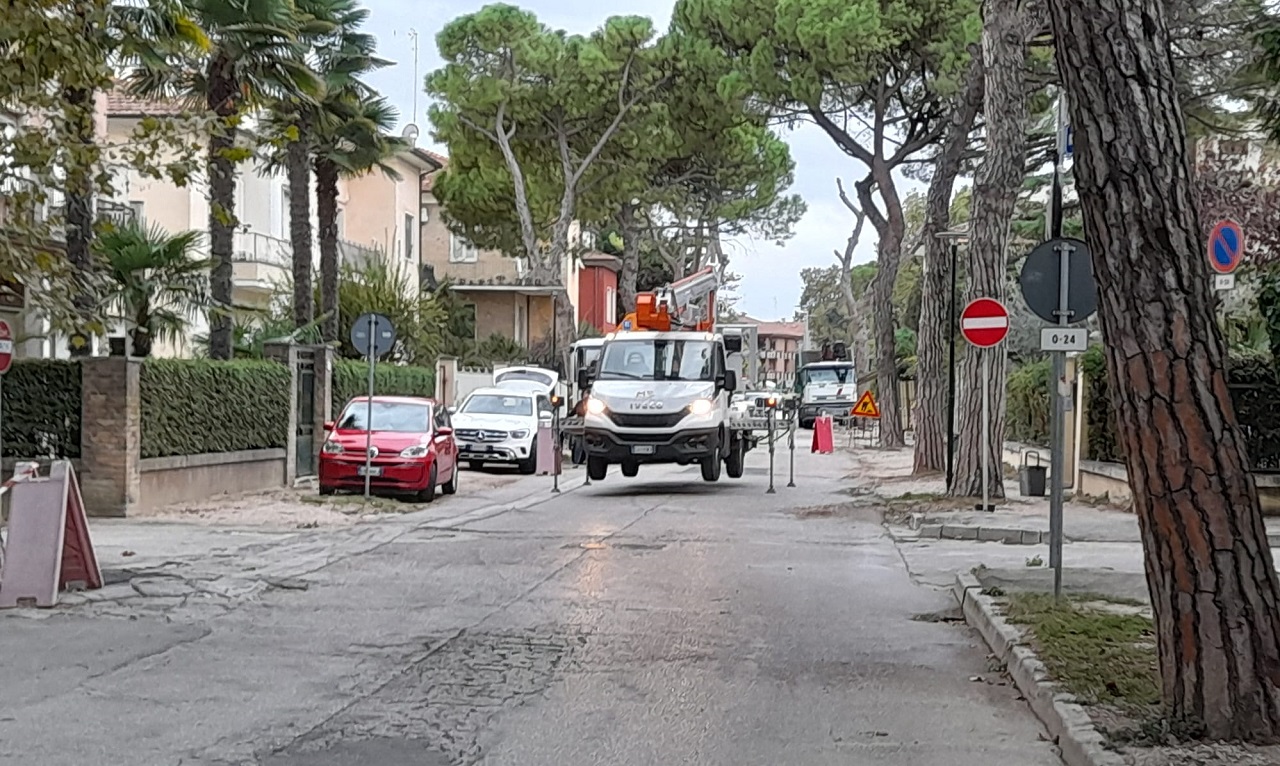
[
  {"x": 779, "y": 347},
  {"x": 507, "y": 299},
  {"x": 598, "y": 290}
]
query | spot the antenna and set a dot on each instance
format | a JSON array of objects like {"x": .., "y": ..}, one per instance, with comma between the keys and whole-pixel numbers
[{"x": 413, "y": 35}]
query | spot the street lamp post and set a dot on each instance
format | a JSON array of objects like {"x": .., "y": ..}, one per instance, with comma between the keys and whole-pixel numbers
[{"x": 953, "y": 237}]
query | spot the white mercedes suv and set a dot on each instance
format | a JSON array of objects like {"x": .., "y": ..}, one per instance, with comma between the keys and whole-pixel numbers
[{"x": 500, "y": 425}]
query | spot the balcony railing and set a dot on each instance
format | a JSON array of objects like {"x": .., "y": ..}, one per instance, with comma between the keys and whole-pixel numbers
[
  {"x": 358, "y": 256},
  {"x": 253, "y": 247},
  {"x": 18, "y": 195}
]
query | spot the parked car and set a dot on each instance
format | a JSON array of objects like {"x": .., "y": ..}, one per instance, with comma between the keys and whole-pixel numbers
[
  {"x": 500, "y": 425},
  {"x": 413, "y": 449}
]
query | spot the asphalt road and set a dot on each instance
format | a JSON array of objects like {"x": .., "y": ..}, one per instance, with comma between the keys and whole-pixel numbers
[{"x": 649, "y": 621}]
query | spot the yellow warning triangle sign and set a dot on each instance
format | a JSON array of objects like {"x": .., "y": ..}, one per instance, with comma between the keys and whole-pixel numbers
[{"x": 866, "y": 407}]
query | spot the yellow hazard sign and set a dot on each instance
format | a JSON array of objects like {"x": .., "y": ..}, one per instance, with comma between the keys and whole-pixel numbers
[{"x": 866, "y": 407}]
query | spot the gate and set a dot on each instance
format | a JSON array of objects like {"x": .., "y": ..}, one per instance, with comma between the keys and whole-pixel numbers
[{"x": 305, "y": 455}]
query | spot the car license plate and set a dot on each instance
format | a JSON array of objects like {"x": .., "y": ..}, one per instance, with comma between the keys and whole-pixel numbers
[
  {"x": 375, "y": 470},
  {"x": 642, "y": 449}
]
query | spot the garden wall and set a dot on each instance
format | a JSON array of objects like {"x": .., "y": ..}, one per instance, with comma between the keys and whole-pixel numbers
[{"x": 144, "y": 434}]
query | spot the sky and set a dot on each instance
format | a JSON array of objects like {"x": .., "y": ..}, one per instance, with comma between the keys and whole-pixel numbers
[{"x": 771, "y": 285}]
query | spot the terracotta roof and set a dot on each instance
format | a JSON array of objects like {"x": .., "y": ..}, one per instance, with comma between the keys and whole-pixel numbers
[
  {"x": 120, "y": 103},
  {"x": 429, "y": 180},
  {"x": 779, "y": 329}
]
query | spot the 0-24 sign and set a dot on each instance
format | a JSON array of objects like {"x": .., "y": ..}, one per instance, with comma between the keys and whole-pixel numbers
[{"x": 1064, "y": 339}]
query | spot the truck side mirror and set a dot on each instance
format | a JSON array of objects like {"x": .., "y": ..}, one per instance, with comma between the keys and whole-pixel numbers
[
  {"x": 584, "y": 380},
  {"x": 730, "y": 383}
]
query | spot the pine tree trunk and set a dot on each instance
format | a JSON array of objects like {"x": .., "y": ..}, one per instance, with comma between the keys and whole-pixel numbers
[
  {"x": 995, "y": 192},
  {"x": 222, "y": 207},
  {"x": 932, "y": 339},
  {"x": 327, "y": 213},
  {"x": 298, "y": 162},
  {"x": 890, "y": 227},
  {"x": 1213, "y": 584},
  {"x": 630, "y": 259},
  {"x": 78, "y": 110}
]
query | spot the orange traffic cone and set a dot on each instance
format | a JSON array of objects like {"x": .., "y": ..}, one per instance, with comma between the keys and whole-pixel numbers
[{"x": 823, "y": 438}]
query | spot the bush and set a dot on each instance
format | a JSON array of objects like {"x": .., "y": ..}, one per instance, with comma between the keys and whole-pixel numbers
[
  {"x": 1027, "y": 402},
  {"x": 198, "y": 406},
  {"x": 1255, "y": 394},
  {"x": 351, "y": 379},
  {"x": 41, "y": 409}
]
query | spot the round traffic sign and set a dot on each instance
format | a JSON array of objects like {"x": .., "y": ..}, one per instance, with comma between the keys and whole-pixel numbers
[
  {"x": 373, "y": 333},
  {"x": 1041, "y": 280},
  {"x": 6, "y": 347},
  {"x": 984, "y": 322},
  {"x": 1226, "y": 246}
]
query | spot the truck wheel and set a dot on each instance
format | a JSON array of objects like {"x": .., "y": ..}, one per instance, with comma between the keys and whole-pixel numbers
[
  {"x": 630, "y": 469},
  {"x": 733, "y": 465},
  {"x": 577, "y": 452},
  {"x": 597, "y": 467},
  {"x": 806, "y": 425},
  {"x": 711, "y": 468}
]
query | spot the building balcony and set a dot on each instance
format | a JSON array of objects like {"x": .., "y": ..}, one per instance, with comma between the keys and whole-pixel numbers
[
  {"x": 261, "y": 263},
  {"x": 358, "y": 256},
  {"x": 20, "y": 206}
]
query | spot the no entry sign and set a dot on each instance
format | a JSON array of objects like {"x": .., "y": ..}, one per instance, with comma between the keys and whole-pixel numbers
[
  {"x": 6, "y": 347},
  {"x": 984, "y": 322}
]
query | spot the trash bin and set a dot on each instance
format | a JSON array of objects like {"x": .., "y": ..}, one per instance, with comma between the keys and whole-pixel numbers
[{"x": 1031, "y": 478}]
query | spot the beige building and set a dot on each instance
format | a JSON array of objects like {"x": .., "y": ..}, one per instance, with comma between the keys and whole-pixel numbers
[
  {"x": 779, "y": 348},
  {"x": 508, "y": 300}
]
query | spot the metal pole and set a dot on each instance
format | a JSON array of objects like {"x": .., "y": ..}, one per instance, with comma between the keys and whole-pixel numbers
[
  {"x": 986, "y": 429},
  {"x": 368, "y": 420},
  {"x": 1056, "y": 425},
  {"x": 559, "y": 453},
  {"x": 791, "y": 445},
  {"x": 771, "y": 490},
  {"x": 951, "y": 376}
]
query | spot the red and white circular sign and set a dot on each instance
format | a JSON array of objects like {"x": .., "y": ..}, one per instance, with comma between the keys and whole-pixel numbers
[
  {"x": 6, "y": 347},
  {"x": 984, "y": 322}
]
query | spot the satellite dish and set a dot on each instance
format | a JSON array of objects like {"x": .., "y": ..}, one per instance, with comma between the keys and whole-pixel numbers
[{"x": 410, "y": 133}]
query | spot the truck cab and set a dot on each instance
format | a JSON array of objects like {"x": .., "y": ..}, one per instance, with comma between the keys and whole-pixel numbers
[
  {"x": 826, "y": 387},
  {"x": 661, "y": 397}
]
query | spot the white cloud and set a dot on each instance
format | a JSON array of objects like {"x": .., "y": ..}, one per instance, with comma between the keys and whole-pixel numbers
[{"x": 771, "y": 285}]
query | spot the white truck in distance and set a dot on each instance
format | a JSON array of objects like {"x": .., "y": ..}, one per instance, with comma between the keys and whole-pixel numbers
[
  {"x": 661, "y": 397},
  {"x": 826, "y": 387}
]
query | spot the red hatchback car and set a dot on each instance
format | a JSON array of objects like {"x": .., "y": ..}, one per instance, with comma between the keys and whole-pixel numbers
[{"x": 412, "y": 445}]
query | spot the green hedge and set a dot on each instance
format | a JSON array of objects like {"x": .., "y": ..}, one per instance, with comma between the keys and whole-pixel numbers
[
  {"x": 41, "y": 409},
  {"x": 1027, "y": 403},
  {"x": 1255, "y": 393},
  {"x": 351, "y": 379},
  {"x": 197, "y": 406}
]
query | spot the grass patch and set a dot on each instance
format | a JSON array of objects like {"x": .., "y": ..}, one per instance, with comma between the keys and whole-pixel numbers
[{"x": 1104, "y": 657}]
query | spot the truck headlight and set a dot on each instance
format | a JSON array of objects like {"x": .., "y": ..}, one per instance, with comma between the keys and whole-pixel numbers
[
  {"x": 700, "y": 406},
  {"x": 520, "y": 434},
  {"x": 595, "y": 406}
]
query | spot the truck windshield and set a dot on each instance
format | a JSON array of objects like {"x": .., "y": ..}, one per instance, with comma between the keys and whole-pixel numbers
[
  {"x": 658, "y": 360},
  {"x": 826, "y": 375}
]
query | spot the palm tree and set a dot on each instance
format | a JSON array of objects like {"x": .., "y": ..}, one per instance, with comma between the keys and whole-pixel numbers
[
  {"x": 158, "y": 283},
  {"x": 340, "y": 55},
  {"x": 353, "y": 140},
  {"x": 255, "y": 57}
]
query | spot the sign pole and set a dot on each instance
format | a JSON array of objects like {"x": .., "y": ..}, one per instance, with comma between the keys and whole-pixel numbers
[
  {"x": 555, "y": 438},
  {"x": 368, "y": 420},
  {"x": 771, "y": 490},
  {"x": 1057, "y": 461},
  {"x": 986, "y": 429},
  {"x": 791, "y": 445}
]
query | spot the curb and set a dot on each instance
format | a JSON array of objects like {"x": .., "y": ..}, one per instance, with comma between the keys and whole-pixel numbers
[
  {"x": 929, "y": 528},
  {"x": 1069, "y": 725}
]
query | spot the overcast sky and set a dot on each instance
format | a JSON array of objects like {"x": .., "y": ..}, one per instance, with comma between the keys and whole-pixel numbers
[{"x": 770, "y": 288}]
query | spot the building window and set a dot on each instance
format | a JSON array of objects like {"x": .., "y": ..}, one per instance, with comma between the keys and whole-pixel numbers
[
  {"x": 341, "y": 224},
  {"x": 521, "y": 322},
  {"x": 285, "y": 229},
  {"x": 461, "y": 251},
  {"x": 610, "y": 305},
  {"x": 467, "y": 326},
  {"x": 409, "y": 227},
  {"x": 138, "y": 209}
]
